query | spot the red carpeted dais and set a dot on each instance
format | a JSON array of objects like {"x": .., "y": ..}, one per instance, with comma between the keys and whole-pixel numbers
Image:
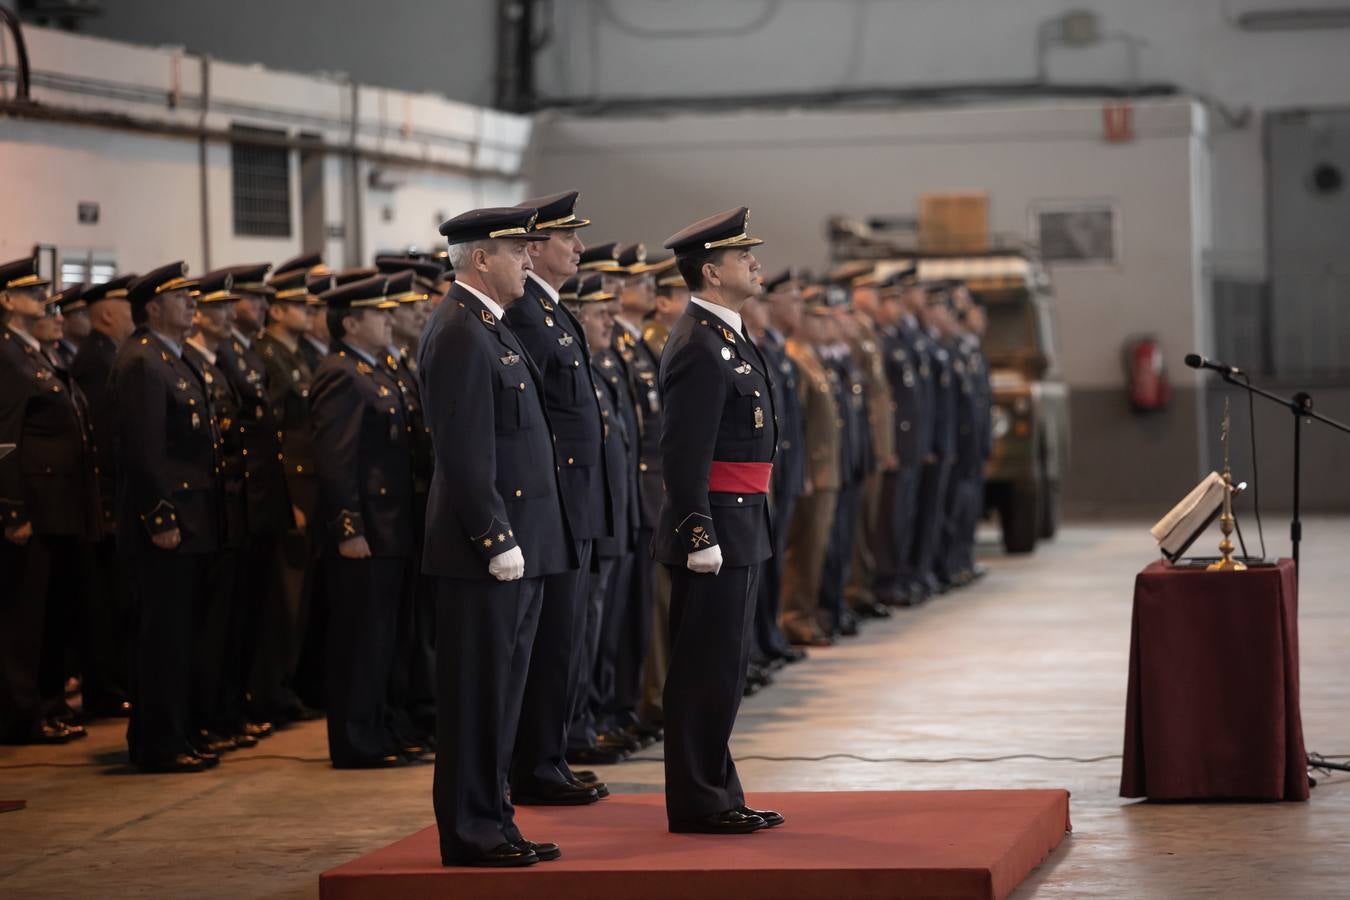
[{"x": 837, "y": 845}]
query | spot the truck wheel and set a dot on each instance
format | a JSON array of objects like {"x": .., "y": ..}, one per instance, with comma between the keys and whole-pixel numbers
[{"x": 1021, "y": 519}]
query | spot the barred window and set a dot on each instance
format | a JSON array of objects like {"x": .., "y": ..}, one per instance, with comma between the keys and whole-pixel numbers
[{"x": 261, "y": 184}]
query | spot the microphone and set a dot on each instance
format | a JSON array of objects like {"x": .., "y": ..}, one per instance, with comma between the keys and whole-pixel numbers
[{"x": 1196, "y": 361}]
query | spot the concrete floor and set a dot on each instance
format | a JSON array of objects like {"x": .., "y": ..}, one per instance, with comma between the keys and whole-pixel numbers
[{"x": 1031, "y": 661}]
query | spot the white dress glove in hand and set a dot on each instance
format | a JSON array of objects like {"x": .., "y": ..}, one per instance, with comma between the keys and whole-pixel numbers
[
  {"x": 508, "y": 566},
  {"x": 707, "y": 561}
]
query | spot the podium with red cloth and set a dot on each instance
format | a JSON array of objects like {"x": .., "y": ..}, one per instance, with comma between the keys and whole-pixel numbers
[{"x": 1212, "y": 711}]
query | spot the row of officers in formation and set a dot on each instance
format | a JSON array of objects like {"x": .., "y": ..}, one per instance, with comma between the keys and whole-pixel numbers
[{"x": 235, "y": 499}]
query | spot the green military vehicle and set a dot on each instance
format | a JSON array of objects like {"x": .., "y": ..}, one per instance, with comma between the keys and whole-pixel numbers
[{"x": 1030, "y": 409}]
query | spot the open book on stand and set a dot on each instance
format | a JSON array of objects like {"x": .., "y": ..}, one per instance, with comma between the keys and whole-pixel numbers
[{"x": 1186, "y": 521}]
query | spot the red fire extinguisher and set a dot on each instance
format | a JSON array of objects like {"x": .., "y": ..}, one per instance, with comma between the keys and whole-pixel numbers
[{"x": 1146, "y": 373}]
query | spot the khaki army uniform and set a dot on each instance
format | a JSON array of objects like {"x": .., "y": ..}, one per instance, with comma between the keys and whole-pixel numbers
[{"x": 809, "y": 531}]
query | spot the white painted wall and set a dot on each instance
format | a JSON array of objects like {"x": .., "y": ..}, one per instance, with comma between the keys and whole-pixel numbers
[
  {"x": 643, "y": 179},
  {"x": 149, "y": 186}
]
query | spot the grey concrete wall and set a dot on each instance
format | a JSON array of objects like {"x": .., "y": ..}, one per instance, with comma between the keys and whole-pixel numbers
[{"x": 659, "y": 48}]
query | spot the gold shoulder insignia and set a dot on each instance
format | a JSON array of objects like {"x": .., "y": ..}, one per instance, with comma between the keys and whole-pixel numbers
[{"x": 364, "y": 368}]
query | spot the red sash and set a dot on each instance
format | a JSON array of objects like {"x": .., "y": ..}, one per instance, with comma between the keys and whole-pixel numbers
[{"x": 739, "y": 477}]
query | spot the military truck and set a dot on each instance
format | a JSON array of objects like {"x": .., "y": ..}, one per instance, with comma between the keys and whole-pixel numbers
[{"x": 1030, "y": 412}]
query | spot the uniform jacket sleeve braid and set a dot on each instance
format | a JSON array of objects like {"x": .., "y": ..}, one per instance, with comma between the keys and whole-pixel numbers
[
  {"x": 336, "y": 410},
  {"x": 694, "y": 393},
  {"x": 458, "y": 393},
  {"x": 141, "y": 400}
]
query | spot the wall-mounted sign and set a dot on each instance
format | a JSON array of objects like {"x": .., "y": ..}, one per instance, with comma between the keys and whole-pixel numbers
[
  {"x": 88, "y": 213},
  {"x": 1077, "y": 231}
]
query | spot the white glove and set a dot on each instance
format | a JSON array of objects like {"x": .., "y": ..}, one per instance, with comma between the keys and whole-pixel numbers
[
  {"x": 707, "y": 561},
  {"x": 508, "y": 566}
]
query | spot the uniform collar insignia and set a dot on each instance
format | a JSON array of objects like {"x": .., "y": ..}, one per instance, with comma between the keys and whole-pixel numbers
[
  {"x": 487, "y": 317},
  {"x": 727, "y": 334},
  {"x": 364, "y": 368}
]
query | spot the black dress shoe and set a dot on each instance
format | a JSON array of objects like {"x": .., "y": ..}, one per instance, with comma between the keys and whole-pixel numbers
[
  {"x": 792, "y": 654},
  {"x": 595, "y": 756},
  {"x": 546, "y": 852},
  {"x": 733, "y": 821},
  {"x": 771, "y": 818},
  {"x": 46, "y": 732},
  {"x": 244, "y": 741},
  {"x": 569, "y": 793},
  {"x": 585, "y": 776},
  {"x": 259, "y": 730},
  {"x": 617, "y": 740},
  {"x": 183, "y": 762},
  {"x": 68, "y": 731},
  {"x": 601, "y": 789},
  {"x": 504, "y": 856},
  {"x": 210, "y": 742}
]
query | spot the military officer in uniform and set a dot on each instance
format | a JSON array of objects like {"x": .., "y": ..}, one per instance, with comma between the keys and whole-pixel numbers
[
  {"x": 781, "y": 310},
  {"x": 290, "y": 315},
  {"x": 74, "y": 312},
  {"x": 106, "y": 680},
  {"x": 49, "y": 503},
  {"x": 932, "y": 508},
  {"x": 363, "y": 450},
  {"x": 413, "y": 688},
  {"x": 592, "y": 305},
  {"x": 713, "y": 530},
  {"x": 495, "y": 530},
  {"x": 557, "y": 345},
  {"x": 218, "y": 730},
  {"x": 808, "y": 532},
  {"x": 168, "y": 517}
]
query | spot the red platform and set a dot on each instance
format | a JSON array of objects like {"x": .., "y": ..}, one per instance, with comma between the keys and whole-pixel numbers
[{"x": 835, "y": 845}]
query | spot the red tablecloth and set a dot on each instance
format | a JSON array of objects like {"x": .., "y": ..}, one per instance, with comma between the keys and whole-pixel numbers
[{"x": 1213, "y": 710}]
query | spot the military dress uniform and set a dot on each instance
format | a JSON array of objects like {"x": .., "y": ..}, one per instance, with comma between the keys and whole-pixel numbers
[
  {"x": 903, "y": 372},
  {"x": 788, "y": 482},
  {"x": 556, "y": 344},
  {"x": 932, "y": 510},
  {"x": 413, "y": 688},
  {"x": 494, "y": 490},
  {"x": 48, "y": 482},
  {"x": 618, "y": 558},
  {"x": 856, "y": 463},
  {"x": 168, "y": 466},
  {"x": 814, "y": 513},
  {"x": 915, "y": 445},
  {"x": 363, "y": 449},
  {"x": 289, "y": 378},
  {"x": 251, "y": 671},
  {"x": 105, "y": 678},
  {"x": 717, "y": 445}
]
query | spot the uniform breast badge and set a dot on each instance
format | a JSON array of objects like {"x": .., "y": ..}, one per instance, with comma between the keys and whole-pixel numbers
[
  {"x": 759, "y": 417},
  {"x": 726, "y": 353},
  {"x": 510, "y": 359}
]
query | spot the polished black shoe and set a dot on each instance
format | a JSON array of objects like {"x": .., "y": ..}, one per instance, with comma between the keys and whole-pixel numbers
[
  {"x": 585, "y": 776},
  {"x": 243, "y": 741},
  {"x": 384, "y": 761},
  {"x": 733, "y": 821},
  {"x": 47, "y": 732},
  {"x": 595, "y": 756},
  {"x": 259, "y": 730},
  {"x": 643, "y": 740},
  {"x": 182, "y": 763},
  {"x": 771, "y": 818},
  {"x": 210, "y": 742},
  {"x": 569, "y": 793},
  {"x": 618, "y": 740},
  {"x": 546, "y": 852},
  {"x": 848, "y": 625},
  {"x": 415, "y": 752},
  {"x": 809, "y": 638},
  {"x": 504, "y": 856},
  {"x": 793, "y": 654}
]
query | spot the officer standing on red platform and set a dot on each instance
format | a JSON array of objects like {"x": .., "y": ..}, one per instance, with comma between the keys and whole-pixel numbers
[
  {"x": 713, "y": 532},
  {"x": 496, "y": 529}
]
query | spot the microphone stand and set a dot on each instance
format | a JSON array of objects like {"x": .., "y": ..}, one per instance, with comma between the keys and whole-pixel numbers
[{"x": 1301, "y": 406}]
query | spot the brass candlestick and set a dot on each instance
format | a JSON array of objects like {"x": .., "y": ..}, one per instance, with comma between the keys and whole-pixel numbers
[{"x": 1226, "y": 563}]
